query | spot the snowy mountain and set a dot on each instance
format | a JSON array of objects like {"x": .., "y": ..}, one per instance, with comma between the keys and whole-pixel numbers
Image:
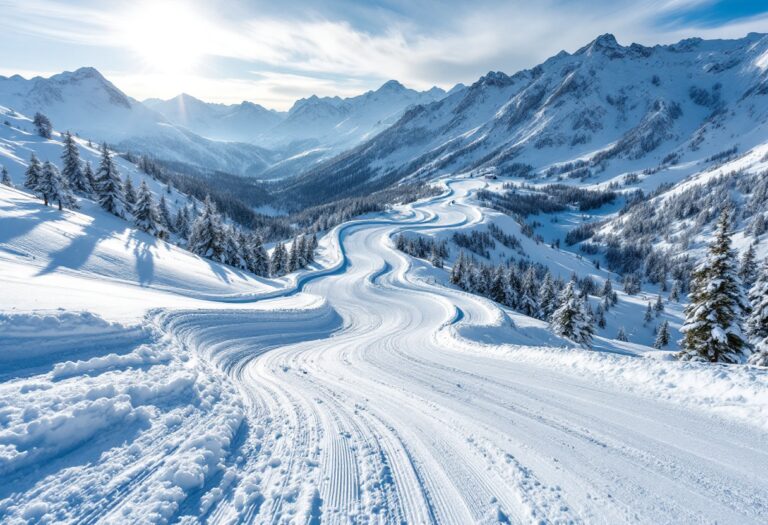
[
  {"x": 86, "y": 103},
  {"x": 597, "y": 114},
  {"x": 235, "y": 123}
]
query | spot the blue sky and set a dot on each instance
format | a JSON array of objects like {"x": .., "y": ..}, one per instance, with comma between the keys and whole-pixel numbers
[{"x": 275, "y": 52}]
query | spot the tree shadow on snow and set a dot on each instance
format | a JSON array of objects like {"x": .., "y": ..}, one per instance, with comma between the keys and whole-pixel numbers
[
  {"x": 36, "y": 214},
  {"x": 75, "y": 255}
]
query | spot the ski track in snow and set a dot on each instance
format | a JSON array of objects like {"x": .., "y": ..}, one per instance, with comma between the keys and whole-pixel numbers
[{"x": 371, "y": 405}]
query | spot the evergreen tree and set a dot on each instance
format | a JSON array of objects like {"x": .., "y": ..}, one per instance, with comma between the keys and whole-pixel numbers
[
  {"x": 570, "y": 319},
  {"x": 90, "y": 177},
  {"x": 260, "y": 257},
  {"x": 758, "y": 320},
  {"x": 309, "y": 248},
  {"x": 748, "y": 267},
  {"x": 600, "y": 316},
  {"x": 32, "y": 174},
  {"x": 529, "y": 296},
  {"x": 42, "y": 125},
  {"x": 547, "y": 297},
  {"x": 5, "y": 179},
  {"x": 434, "y": 258},
  {"x": 207, "y": 236},
  {"x": 165, "y": 215},
  {"x": 712, "y": 329},
  {"x": 659, "y": 305},
  {"x": 496, "y": 286},
  {"x": 457, "y": 271},
  {"x": 662, "y": 337},
  {"x": 130, "y": 194},
  {"x": 607, "y": 288},
  {"x": 293, "y": 258},
  {"x": 181, "y": 223},
  {"x": 648, "y": 314},
  {"x": 144, "y": 212},
  {"x": 233, "y": 253},
  {"x": 278, "y": 265},
  {"x": 674, "y": 294},
  {"x": 622, "y": 335},
  {"x": 54, "y": 188},
  {"x": 109, "y": 186},
  {"x": 72, "y": 170}
]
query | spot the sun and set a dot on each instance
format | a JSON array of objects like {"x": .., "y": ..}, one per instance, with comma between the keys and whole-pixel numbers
[{"x": 168, "y": 36}]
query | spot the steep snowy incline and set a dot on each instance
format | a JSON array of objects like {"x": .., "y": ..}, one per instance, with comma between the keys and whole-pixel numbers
[{"x": 392, "y": 399}]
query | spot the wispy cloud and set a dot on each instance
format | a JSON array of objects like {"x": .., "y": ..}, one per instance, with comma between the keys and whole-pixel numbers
[{"x": 340, "y": 46}]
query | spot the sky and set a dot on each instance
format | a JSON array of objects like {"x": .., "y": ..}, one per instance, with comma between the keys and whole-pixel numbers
[{"x": 273, "y": 53}]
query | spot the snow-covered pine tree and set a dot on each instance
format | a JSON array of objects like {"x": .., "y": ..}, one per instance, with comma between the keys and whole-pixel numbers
[
  {"x": 758, "y": 226},
  {"x": 181, "y": 223},
  {"x": 144, "y": 212},
  {"x": 278, "y": 264},
  {"x": 165, "y": 215},
  {"x": 457, "y": 271},
  {"x": 54, "y": 188},
  {"x": 600, "y": 314},
  {"x": 72, "y": 169},
  {"x": 5, "y": 179},
  {"x": 658, "y": 305},
  {"x": 529, "y": 294},
  {"x": 233, "y": 253},
  {"x": 674, "y": 294},
  {"x": 496, "y": 287},
  {"x": 662, "y": 336},
  {"x": 748, "y": 267},
  {"x": 42, "y": 125},
  {"x": 32, "y": 174},
  {"x": 434, "y": 258},
  {"x": 310, "y": 247},
  {"x": 622, "y": 335},
  {"x": 570, "y": 319},
  {"x": 757, "y": 324},
  {"x": 607, "y": 288},
  {"x": 207, "y": 237},
  {"x": 109, "y": 186},
  {"x": 648, "y": 314},
  {"x": 713, "y": 330},
  {"x": 547, "y": 298},
  {"x": 293, "y": 258},
  {"x": 260, "y": 257},
  {"x": 89, "y": 176},
  {"x": 130, "y": 194}
]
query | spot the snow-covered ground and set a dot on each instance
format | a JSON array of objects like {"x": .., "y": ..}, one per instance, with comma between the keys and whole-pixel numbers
[{"x": 142, "y": 384}]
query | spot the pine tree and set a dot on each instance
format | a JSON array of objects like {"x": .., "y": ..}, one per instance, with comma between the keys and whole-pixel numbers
[
  {"x": 757, "y": 323},
  {"x": 32, "y": 174},
  {"x": 529, "y": 296},
  {"x": 72, "y": 170},
  {"x": 496, "y": 286},
  {"x": 622, "y": 335},
  {"x": 144, "y": 212},
  {"x": 260, "y": 257},
  {"x": 293, "y": 258},
  {"x": 659, "y": 305},
  {"x": 90, "y": 177},
  {"x": 130, "y": 194},
  {"x": 109, "y": 186},
  {"x": 309, "y": 248},
  {"x": 648, "y": 314},
  {"x": 5, "y": 179},
  {"x": 42, "y": 125},
  {"x": 207, "y": 237},
  {"x": 607, "y": 288},
  {"x": 457, "y": 271},
  {"x": 434, "y": 258},
  {"x": 181, "y": 223},
  {"x": 570, "y": 319},
  {"x": 165, "y": 215},
  {"x": 662, "y": 337},
  {"x": 674, "y": 294},
  {"x": 233, "y": 253},
  {"x": 748, "y": 267},
  {"x": 600, "y": 316},
  {"x": 54, "y": 188},
  {"x": 547, "y": 298},
  {"x": 278, "y": 265},
  {"x": 712, "y": 329}
]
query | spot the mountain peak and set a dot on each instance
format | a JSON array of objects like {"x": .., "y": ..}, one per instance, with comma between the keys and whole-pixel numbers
[
  {"x": 605, "y": 44},
  {"x": 392, "y": 85}
]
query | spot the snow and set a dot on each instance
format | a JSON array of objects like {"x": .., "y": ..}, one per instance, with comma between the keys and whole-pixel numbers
[{"x": 364, "y": 387}]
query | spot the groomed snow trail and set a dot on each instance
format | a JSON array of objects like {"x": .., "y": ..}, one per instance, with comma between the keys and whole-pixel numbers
[{"x": 372, "y": 395}]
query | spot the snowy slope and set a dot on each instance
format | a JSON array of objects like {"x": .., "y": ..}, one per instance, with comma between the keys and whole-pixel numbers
[
  {"x": 594, "y": 115},
  {"x": 394, "y": 396},
  {"x": 86, "y": 103}
]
